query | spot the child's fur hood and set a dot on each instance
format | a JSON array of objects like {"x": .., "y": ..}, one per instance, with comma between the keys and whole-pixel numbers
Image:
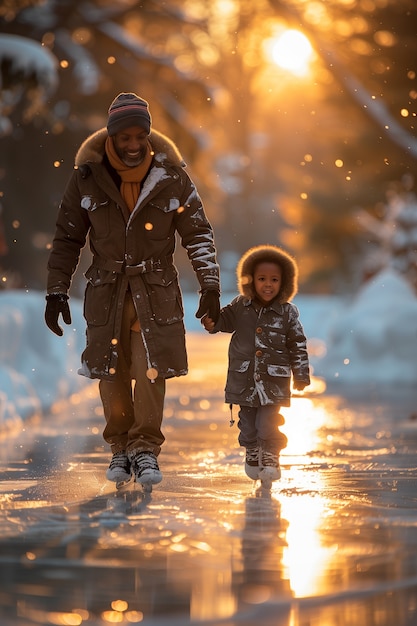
[
  {"x": 267, "y": 254},
  {"x": 92, "y": 149}
]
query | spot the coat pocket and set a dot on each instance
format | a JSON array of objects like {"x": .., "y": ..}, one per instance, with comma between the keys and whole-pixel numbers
[
  {"x": 279, "y": 370},
  {"x": 166, "y": 205},
  {"x": 238, "y": 376},
  {"x": 164, "y": 295},
  {"x": 99, "y": 296},
  {"x": 99, "y": 214}
]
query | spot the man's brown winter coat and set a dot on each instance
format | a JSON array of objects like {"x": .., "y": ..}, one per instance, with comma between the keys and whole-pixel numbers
[{"x": 132, "y": 251}]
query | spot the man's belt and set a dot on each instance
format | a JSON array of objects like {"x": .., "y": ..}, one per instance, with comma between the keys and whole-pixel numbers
[{"x": 120, "y": 267}]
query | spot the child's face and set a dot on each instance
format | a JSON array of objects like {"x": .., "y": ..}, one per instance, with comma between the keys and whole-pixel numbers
[{"x": 267, "y": 281}]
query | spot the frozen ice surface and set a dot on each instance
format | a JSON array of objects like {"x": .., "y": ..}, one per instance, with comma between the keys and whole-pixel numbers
[{"x": 333, "y": 543}]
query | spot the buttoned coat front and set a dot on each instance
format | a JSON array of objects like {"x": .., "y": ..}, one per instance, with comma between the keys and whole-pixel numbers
[
  {"x": 268, "y": 345},
  {"x": 132, "y": 251}
]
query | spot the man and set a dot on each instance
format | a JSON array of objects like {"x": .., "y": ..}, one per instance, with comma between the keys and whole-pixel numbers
[{"x": 130, "y": 195}]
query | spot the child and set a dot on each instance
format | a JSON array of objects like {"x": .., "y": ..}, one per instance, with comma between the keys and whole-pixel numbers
[{"x": 267, "y": 346}]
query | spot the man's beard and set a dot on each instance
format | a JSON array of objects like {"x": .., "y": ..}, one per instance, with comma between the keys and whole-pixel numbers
[{"x": 132, "y": 161}]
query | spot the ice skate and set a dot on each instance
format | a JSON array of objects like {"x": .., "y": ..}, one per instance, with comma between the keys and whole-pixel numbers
[
  {"x": 119, "y": 469},
  {"x": 146, "y": 470},
  {"x": 252, "y": 463},
  {"x": 270, "y": 469}
]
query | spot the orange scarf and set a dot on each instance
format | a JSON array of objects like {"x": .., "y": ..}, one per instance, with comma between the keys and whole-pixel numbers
[{"x": 132, "y": 177}]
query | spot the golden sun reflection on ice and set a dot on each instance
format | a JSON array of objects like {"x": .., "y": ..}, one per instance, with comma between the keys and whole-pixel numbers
[
  {"x": 302, "y": 421},
  {"x": 304, "y": 508},
  {"x": 305, "y": 557}
]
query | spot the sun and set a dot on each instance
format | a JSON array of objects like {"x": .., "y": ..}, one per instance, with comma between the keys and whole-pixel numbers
[{"x": 292, "y": 51}]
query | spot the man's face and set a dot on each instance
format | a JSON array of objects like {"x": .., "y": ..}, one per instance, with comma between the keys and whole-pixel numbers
[{"x": 131, "y": 145}]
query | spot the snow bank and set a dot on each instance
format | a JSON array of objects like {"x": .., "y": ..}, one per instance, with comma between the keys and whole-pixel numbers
[
  {"x": 37, "y": 368},
  {"x": 374, "y": 340}
]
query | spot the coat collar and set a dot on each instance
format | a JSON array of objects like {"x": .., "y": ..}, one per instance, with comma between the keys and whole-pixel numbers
[
  {"x": 276, "y": 306},
  {"x": 92, "y": 149}
]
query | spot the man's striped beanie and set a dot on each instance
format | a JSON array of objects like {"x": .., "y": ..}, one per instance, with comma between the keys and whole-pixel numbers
[{"x": 127, "y": 109}]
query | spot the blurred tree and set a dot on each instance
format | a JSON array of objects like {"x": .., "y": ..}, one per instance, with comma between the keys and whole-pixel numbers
[
  {"x": 279, "y": 157},
  {"x": 101, "y": 50},
  {"x": 28, "y": 76},
  {"x": 298, "y": 154},
  {"x": 364, "y": 120},
  {"x": 393, "y": 232}
]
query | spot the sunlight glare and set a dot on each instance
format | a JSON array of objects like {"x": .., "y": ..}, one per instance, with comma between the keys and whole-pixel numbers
[
  {"x": 292, "y": 51},
  {"x": 305, "y": 510},
  {"x": 302, "y": 421},
  {"x": 304, "y": 514}
]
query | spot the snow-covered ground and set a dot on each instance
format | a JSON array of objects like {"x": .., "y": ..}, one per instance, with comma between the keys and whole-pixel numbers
[
  {"x": 373, "y": 341},
  {"x": 368, "y": 340},
  {"x": 37, "y": 368}
]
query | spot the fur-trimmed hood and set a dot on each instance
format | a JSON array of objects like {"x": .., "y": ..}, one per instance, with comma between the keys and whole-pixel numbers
[
  {"x": 92, "y": 149},
  {"x": 267, "y": 254}
]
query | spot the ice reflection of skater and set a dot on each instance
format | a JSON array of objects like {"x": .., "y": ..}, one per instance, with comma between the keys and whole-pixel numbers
[
  {"x": 268, "y": 346},
  {"x": 262, "y": 575},
  {"x": 125, "y": 502}
]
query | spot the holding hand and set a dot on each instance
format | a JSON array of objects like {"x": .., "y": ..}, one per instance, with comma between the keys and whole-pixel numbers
[
  {"x": 299, "y": 385},
  {"x": 209, "y": 304},
  {"x": 207, "y": 323},
  {"x": 56, "y": 304}
]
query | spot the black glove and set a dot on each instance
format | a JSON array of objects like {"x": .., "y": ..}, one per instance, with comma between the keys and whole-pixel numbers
[
  {"x": 209, "y": 304},
  {"x": 57, "y": 303},
  {"x": 299, "y": 385}
]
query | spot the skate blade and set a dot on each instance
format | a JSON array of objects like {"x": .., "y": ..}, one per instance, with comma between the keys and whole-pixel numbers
[
  {"x": 145, "y": 484},
  {"x": 266, "y": 484},
  {"x": 123, "y": 483},
  {"x": 268, "y": 475}
]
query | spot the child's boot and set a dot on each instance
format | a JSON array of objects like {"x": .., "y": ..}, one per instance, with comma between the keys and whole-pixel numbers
[
  {"x": 269, "y": 468},
  {"x": 252, "y": 463}
]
